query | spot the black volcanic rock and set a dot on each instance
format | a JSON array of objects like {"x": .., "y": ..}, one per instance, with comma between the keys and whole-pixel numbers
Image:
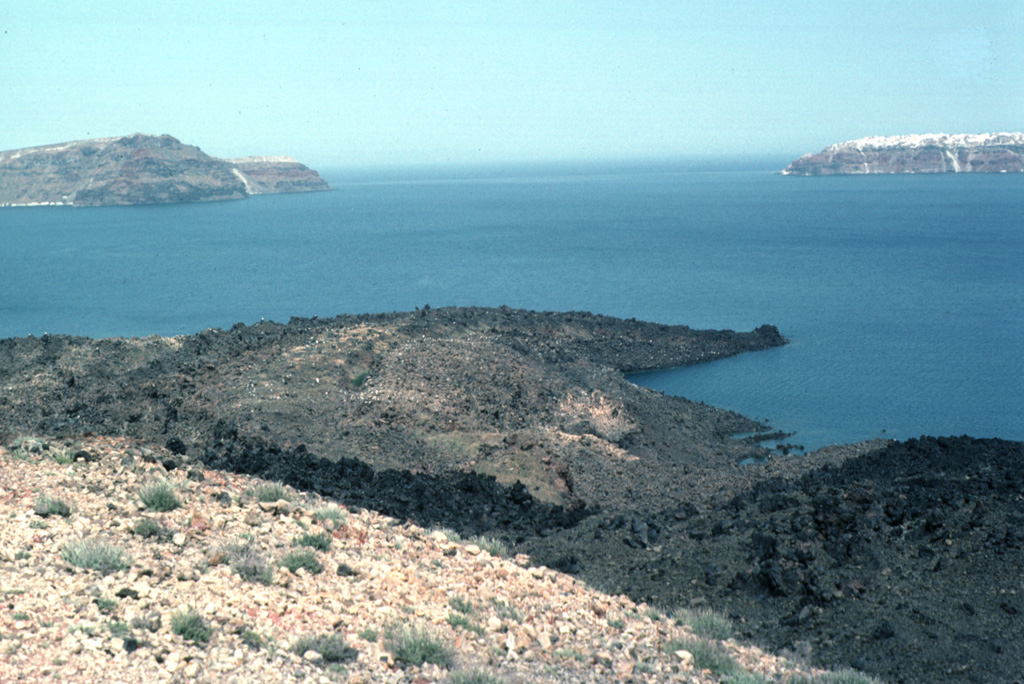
[
  {"x": 140, "y": 169},
  {"x": 985, "y": 153}
]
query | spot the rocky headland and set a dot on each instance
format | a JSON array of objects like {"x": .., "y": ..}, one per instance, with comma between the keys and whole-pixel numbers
[
  {"x": 141, "y": 169},
  {"x": 939, "y": 153},
  {"x": 897, "y": 559}
]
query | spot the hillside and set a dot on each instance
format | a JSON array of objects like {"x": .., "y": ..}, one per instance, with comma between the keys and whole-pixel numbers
[
  {"x": 940, "y": 153},
  {"x": 897, "y": 559},
  {"x": 140, "y": 169},
  {"x": 285, "y": 586}
]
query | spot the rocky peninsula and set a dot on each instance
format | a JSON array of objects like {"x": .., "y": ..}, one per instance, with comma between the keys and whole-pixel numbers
[
  {"x": 141, "y": 169},
  {"x": 939, "y": 153},
  {"x": 898, "y": 559}
]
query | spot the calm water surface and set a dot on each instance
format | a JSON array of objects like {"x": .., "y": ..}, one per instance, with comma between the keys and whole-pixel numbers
[{"x": 903, "y": 296}]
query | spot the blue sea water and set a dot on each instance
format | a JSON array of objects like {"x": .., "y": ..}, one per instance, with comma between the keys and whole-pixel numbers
[{"x": 902, "y": 296}]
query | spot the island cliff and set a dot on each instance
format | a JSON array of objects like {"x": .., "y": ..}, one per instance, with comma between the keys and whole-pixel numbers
[
  {"x": 141, "y": 169},
  {"x": 938, "y": 153}
]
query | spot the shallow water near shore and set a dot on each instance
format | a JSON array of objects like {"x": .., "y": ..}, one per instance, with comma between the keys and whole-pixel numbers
[{"x": 902, "y": 296}]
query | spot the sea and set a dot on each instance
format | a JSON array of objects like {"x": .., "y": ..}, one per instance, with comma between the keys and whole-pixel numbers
[{"x": 902, "y": 297}]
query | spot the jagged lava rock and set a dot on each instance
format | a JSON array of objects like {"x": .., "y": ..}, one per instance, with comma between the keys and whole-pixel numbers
[
  {"x": 937, "y": 153},
  {"x": 140, "y": 169}
]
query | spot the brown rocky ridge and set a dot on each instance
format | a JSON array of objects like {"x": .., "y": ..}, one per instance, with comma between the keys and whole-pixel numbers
[
  {"x": 141, "y": 169},
  {"x": 939, "y": 153}
]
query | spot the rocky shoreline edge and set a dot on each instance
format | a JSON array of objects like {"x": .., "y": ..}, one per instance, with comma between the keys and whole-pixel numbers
[{"x": 520, "y": 426}]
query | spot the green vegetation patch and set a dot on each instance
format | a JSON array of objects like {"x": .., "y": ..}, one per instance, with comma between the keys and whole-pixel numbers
[
  {"x": 460, "y": 620},
  {"x": 147, "y": 528},
  {"x": 95, "y": 555},
  {"x": 106, "y": 605},
  {"x": 415, "y": 645},
  {"x": 837, "y": 677},
  {"x": 190, "y": 625},
  {"x": 332, "y": 512},
  {"x": 473, "y": 677},
  {"x": 271, "y": 491},
  {"x": 321, "y": 541},
  {"x": 707, "y": 655},
  {"x": 159, "y": 496},
  {"x": 47, "y": 506},
  {"x": 249, "y": 562},
  {"x": 303, "y": 558},
  {"x": 705, "y": 623},
  {"x": 460, "y": 604},
  {"x": 331, "y": 646}
]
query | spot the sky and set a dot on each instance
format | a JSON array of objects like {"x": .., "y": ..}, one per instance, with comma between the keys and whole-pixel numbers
[{"x": 366, "y": 83}]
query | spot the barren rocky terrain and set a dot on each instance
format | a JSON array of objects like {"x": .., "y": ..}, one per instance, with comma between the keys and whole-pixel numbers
[
  {"x": 228, "y": 578},
  {"x": 898, "y": 559}
]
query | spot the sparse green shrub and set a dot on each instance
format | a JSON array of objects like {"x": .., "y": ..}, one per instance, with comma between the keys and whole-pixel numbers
[
  {"x": 159, "y": 496},
  {"x": 20, "y": 616},
  {"x": 22, "y": 555},
  {"x": 473, "y": 677},
  {"x": 321, "y": 541},
  {"x": 506, "y": 611},
  {"x": 190, "y": 625},
  {"x": 62, "y": 456},
  {"x": 95, "y": 555},
  {"x": 744, "y": 677},
  {"x": 493, "y": 546},
  {"x": 47, "y": 506},
  {"x": 24, "y": 447},
  {"x": 616, "y": 624},
  {"x": 837, "y": 677},
  {"x": 148, "y": 528},
  {"x": 345, "y": 570},
  {"x": 106, "y": 605},
  {"x": 449, "y": 534},
  {"x": 303, "y": 558},
  {"x": 415, "y": 645},
  {"x": 331, "y": 512},
  {"x": 360, "y": 378},
  {"x": 272, "y": 491},
  {"x": 331, "y": 646},
  {"x": 249, "y": 562},
  {"x": 117, "y": 628},
  {"x": 707, "y": 655},
  {"x": 460, "y": 604},
  {"x": 460, "y": 620},
  {"x": 252, "y": 639},
  {"x": 368, "y": 634},
  {"x": 147, "y": 623},
  {"x": 705, "y": 623}
]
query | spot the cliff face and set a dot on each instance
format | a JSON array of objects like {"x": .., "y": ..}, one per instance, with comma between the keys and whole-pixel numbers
[
  {"x": 277, "y": 174},
  {"x": 940, "y": 153},
  {"x": 140, "y": 169}
]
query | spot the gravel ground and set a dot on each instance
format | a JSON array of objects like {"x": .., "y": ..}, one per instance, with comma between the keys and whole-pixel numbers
[{"x": 219, "y": 554}]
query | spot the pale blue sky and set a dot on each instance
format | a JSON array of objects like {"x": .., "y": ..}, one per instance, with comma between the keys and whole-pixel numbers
[{"x": 357, "y": 82}]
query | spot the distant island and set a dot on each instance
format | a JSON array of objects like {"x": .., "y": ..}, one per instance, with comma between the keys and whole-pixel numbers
[
  {"x": 934, "y": 153},
  {"x": 141, "y": 169}
]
